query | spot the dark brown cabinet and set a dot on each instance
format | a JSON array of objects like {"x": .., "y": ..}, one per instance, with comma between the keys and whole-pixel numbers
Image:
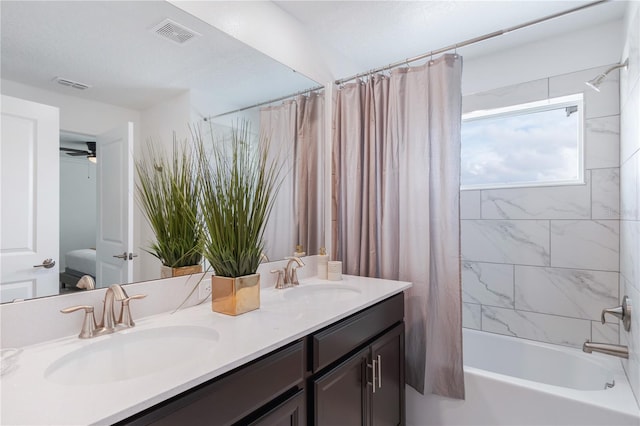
[
  {"x": 227, "y": 400},
  {"x": 291, "y": 412},
  {"x": 349, "y": 373},
  {"x": 340, "y": 396},
  {"x": 387, "y": 402},
  {"x": 365, "y": 389}
]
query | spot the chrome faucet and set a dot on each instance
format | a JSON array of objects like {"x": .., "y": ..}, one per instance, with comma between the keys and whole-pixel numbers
[
  {"x": 108, "y": 324},
  {"x": 606, "y": 348},
  {"x": 290, "y": 274},
  {"x": 287, "y": 276}
]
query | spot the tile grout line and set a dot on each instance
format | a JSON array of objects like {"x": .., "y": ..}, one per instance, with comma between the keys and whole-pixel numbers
[
  {"x": 514, "y": 286},
  {"x": 591, "y": 194},
  {"x": 541, "y": 266},
  {"x": 542, "y": 313}
]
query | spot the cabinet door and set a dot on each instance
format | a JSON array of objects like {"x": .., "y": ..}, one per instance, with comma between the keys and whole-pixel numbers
[
  {"x": 290, "y": 413},
  {"x": 388, "y": 400},
  {"x": 341, "y": 394}
]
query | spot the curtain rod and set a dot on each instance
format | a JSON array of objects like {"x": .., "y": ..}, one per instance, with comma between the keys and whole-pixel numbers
[
  {"x": 419, "y": 57},
  {"x": 282, "y": 98},
  {"x": 469, "y": 42}
]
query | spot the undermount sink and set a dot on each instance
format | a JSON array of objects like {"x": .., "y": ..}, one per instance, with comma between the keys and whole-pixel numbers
[
  {"x": 321, "y": 293},
  {"x": 131, "y": 354}
]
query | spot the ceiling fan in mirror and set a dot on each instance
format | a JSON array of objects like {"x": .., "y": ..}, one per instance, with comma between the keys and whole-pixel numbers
[{"x": 90, "y": 152}]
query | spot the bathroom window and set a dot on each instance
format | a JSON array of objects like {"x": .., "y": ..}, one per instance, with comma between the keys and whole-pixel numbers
[{"x": 534, "y": 144}]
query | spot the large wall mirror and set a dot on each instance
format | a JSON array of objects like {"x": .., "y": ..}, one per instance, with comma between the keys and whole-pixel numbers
[{"x": 145, "y": 69}]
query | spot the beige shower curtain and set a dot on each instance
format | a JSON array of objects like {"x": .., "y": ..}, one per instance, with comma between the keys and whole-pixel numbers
[
  {"x": 309, "y": 185},
  {"x": 396, "y": 164},
  {"x": 296, "y": 134}
]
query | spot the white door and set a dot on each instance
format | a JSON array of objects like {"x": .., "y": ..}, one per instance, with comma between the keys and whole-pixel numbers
[
  {"x": 29, "y": 193},
  {"x": 114, "y": 177}
]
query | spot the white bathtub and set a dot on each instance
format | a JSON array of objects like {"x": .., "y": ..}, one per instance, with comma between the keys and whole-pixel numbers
[{"x": 511, "y": 381}]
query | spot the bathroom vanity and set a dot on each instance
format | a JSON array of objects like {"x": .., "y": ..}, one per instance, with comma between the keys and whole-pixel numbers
[
  {"x": 320, "y": 353},
  {"x": 332, "y": 376}
]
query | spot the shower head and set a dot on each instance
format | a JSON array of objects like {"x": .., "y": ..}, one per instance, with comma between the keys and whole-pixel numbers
[{"x": 595, "y": 82}]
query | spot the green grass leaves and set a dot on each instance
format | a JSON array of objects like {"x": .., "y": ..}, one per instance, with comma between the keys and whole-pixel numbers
[{"x": 169, "y": 196}]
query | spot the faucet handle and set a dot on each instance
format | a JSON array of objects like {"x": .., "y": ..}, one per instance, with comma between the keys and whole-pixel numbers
[
  {"x": 125, "y": 311},
  {"x": 89, "y": 323},
  {"x": 134, "y": 297},
  {"x": 622, "y": 312},
  {"x": 279, "y": 278},
  {"x": 616, "y": 312}
]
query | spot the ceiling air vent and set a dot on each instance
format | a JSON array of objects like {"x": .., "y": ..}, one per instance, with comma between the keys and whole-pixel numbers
[
  {"x": 175, "y": 32},
  {"x": 71, "y": 83}
]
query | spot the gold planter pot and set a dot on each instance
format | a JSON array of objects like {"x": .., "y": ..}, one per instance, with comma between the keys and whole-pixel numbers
[
  {"x": 235, "y": 296},
  {"x": 168, "y": 271}
]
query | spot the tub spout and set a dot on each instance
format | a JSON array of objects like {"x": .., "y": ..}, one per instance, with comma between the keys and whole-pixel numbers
[{"x": 606, "y": 348}]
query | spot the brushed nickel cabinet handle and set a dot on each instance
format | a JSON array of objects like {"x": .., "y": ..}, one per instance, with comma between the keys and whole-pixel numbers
[
  {"x": 373, "y": 371},
  {"x": 379, "y": 372}
]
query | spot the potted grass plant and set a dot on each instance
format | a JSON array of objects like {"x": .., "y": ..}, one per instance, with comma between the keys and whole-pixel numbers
[
  {"x": 239, "y": 182},
  {"x": 168, "y": 194}
]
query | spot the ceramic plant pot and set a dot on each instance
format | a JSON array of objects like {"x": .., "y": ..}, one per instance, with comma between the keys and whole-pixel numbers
[
  {"x": 169, "y": 272},
  {"x": 235, "y": 296}
]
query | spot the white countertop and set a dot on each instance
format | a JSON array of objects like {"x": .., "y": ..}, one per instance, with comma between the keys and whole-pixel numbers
[{"x": 28, "y": 397}]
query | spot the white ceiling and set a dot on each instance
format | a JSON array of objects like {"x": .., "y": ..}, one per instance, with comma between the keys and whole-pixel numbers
[
  {"x": 109, "y": 45},
  {"x": 375, "y": 33}
]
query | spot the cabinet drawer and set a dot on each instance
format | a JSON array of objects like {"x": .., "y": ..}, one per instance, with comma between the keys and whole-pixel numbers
[
  {"x": 337, "y": 340},
  {"x": 236, "y": 395},
  {"x": 291, "y": 412}
]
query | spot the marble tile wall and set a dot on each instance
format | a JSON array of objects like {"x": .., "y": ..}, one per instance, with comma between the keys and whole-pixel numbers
[
  {"x": 630, "y": 190},
  {"x": 542, "y": 262}
]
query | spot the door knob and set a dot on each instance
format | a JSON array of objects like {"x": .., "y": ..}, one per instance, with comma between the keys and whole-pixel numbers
[
  {"x": 47, "y": 264},
  {"x": 125, "y": 256}
]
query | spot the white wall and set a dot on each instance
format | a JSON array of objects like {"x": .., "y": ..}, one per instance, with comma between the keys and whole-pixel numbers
[
  {"x": 77, "y": 205},
  {"x": 558, "y": 55},
  {"x": 630, "y": 188},
  {"x": 77, "y": 115}
]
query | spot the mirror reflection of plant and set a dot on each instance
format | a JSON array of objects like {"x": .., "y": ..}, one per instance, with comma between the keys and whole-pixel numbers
[
  {"x": 168, "y": 194},
  {"x": 239, "y": 184}
]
